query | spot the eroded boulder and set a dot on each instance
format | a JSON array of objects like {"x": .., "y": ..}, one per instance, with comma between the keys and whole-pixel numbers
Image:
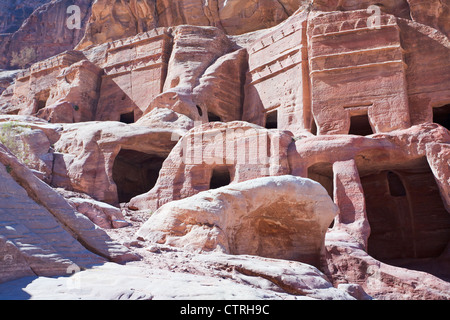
[{"x": 282, "y": 217}]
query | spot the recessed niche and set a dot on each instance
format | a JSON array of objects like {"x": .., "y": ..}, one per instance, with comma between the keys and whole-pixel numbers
[
  {"x": 408, "y": 219},
  {"x": 220, "y": 177},
  {"x": 441, "y": 115},
  {"x": 135, "y": 173},
  {"x": 213, "y": 117},
  {"x": 272, "y": 120},
  {"x": 127, "y": 117},
  {"x": 360, "y": 125}
]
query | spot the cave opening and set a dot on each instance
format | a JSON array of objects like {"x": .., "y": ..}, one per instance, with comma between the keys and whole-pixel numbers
[
  {"x": 41, "y": 99},
  {"x": 220, "y": 177},
  {"x": 135, "y": 173},
  {"x": 410, "y": 226},
  {"x": 127, "y": 118},
  {"x": 213, "y": 117},
  {"x": 360, "y": 125},
  {"x": 441, "y": 115},
  {"x": 272, "y": 120}
]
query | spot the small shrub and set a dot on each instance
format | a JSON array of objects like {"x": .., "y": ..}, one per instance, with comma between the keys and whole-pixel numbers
[{"x": 10, "y": 136}]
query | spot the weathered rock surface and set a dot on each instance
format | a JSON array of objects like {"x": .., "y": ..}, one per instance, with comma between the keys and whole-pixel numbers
[
  {"x": 7, "y": 78},
  {"x": 45, "y": 33},
  {"x": 213, "y": 155},
  {"x": 279, "y": 217},
  {"x": 381, "y": 280},
  {"x": 14, "y": 12},
  {"x": 210, "y": 277},
  {"x": 41, "y": 234},
  {"x": 86, "y": 156},
  {"x": 102, "y": 214},
  {"x": 169, "y": 100},
  {"x": 112, "y": 20}
]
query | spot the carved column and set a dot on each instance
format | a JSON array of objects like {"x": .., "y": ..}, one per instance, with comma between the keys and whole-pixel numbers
[{"x": 349, "y": 197}]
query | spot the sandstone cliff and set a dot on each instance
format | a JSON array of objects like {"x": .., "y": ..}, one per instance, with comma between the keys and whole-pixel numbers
[
  {"x": 43, "y": 34},
  {"x": 271, "y": 149},
  {"x": 14, "y": 12}
]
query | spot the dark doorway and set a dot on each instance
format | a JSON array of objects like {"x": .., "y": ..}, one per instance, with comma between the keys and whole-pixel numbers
[
  {"x": 272, "y": 120},
  {"x": 127, "y": 117},
  {"x": 396, "y": 187},
  {"x": 410, "y": 226},
  {"x": 313, "y": 127},
  {"x": 213, "y": 117},
  {"x": 441, "y": 115},
  {"x": 360, "y": 125},
  {"x": 41, "y": 99},
  {"x": 220, "y": 178},
  {"x": 135, "y": 173}
]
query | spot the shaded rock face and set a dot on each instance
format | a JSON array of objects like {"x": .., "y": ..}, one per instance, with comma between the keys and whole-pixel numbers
[{"x": 172, "y": 107}]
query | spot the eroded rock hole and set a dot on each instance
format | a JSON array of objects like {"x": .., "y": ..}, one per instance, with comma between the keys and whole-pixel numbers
[
  {"x": 441, "y": 115},
  {"x": 408, "y": 220},
  {"x": 360, "y": 125},
  {"x": 127, "y": 118},
  {"x": 41, "y": 99},
  {"x": 220, "y": 177},
  {"x": 135, "y": 173},
  {"x": 213, "y": 117},
  {"x": 199, "y": 110},
  {"x": 272, "y": 120}
]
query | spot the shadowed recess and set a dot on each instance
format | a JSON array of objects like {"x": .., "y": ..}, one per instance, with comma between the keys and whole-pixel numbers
[{"x": 135, "y": 173}]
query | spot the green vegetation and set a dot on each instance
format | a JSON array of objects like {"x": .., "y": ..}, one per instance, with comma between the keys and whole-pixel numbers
[{"x": 10, "y": 136}]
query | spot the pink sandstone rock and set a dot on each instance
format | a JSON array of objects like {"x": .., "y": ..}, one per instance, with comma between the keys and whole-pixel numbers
[
  {"x": 217, "y": 277},
  {"x": 194, "y": 50},
  {"x": 277, "y": 87},
  {"x": 95, "y": 157},
  {"x": 46, "y": 32},
  {"x": 115, "y": 20},
  {"x": 100, "y": 213},
  {"x": 278, "y": 217},
  {"x": 217, "y": 154},
  {"x": 133, "y": 66},
  {"x": 43, "y": 231},
  {"x": 432, "y": 13},
  {"x": 361, "y": 109},
  {"x": 357, "y": 72}
]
